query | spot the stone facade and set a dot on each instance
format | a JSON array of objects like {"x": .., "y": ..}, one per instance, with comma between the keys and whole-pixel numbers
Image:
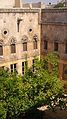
[
  {"x": 18, "y": 26},
  {"x": 25, "y": 33},
  {"x": 10, "y": 3},
  {"x": 54, "y": 36}
]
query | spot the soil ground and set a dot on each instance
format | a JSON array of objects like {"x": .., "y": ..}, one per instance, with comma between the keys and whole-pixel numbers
[{"x": 59, "y": 114}]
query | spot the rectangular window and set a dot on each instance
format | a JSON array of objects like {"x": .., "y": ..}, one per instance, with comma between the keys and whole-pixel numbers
[
  {"x": 35, "y": 44},
  {"x": 66, "y": 48},
  {"x": 13, "y": 48},
  {"x": 55, "y": 46},
  {"x": 25, "y": 46},
  {"x": 24, "y": 66},
  {"x": 33, "y": 65},
  {"x": 45, "y": 44},
  {"x": 1, "y": 50},
  {"x": 65, "y": 72},
  {"x": 18, "y": 25},
  {"x": 13, "y": 67}
]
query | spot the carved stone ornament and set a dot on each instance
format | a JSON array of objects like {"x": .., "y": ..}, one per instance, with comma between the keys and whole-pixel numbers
[
  {"x": 24, "y": 38},
  {"x": 5, "y": 32},
  {"x": 1, "y": 42},
  {"x": 13, "y": 40},
  {"x": 35, "y": 37}
]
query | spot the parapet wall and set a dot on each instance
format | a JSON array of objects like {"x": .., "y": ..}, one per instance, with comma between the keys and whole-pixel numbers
[{"x": 53, "y": 16}]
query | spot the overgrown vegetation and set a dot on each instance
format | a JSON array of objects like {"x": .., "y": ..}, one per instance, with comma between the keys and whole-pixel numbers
[
  {"x": 59, "y": 5},
  {"x": 42, "y": 87}
]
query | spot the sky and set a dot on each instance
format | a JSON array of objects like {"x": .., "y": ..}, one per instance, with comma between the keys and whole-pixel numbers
[{"x": 45, "y": 1}]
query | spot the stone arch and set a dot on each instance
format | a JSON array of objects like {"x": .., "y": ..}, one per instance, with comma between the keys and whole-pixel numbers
[
  {"x": 35, "y": 42},
  {"x": 1, "y": 42},
  {"x": 35, "y": 37},
  {"x": 24, "y": 39},
  {"x": 12, "y": 40}
]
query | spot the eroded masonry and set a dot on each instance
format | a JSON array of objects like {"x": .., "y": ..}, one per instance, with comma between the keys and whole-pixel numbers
[{"x": 26, "y": 33}]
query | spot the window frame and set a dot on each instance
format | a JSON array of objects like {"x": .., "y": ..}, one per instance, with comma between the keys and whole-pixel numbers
[
  {"x": 35, "y": 44},
  {"x": 45, "y": 44},
  {"x": 13, "y": 67},
  {"x": 24, "y": 46},
  {"x": 13, "y": 48},
  {"x": 24, "y": 67},
  {"x": 56, "y": 46},
  {"x": 1, "y": 48}
]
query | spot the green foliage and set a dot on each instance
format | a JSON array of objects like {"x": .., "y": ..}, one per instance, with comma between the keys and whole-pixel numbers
[
  {"x": 59, "y": 5},
  {"x": 19, "y": 94}
]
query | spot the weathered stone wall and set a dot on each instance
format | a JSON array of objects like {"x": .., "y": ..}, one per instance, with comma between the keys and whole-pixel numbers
[
  {"x": 54, "y": 28},
  {"x": 29, "y": 19},
  {"x": 10, "y": 3}
]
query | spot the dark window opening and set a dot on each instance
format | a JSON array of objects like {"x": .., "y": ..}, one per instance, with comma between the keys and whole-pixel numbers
[
  {"x": 66, "y": 48},
  {"x": 18, "y": 26},
  {"x": 13, "y": 67},
  {"x": 33, "y": 65},
  {"x": 55, "y": 46},
  {"x": 24, "y": 66},
  {"x": 25, "y": 46},
  {"x": 45, "y": 44},
  {"x": 1, "y": 50},
  {"x": 13, "y": 48},
  {"x": 35, "y": 44}
]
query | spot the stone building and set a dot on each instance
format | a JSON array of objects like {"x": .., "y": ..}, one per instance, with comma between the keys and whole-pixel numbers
[
  {"x": 25, "y": 33},
  {"x": 19, "y": 36},
  {"x": 54, "y": 36}
]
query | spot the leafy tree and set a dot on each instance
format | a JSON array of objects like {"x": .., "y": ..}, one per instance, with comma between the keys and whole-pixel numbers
[
  {"x": 19, "y": 94},
  {"x": 59, "y": 5}
]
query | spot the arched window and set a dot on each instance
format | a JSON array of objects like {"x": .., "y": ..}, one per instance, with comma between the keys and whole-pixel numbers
[
  {"x": 35, "y": 42},
  {"x": 24, "y": 42},
  {"x": 13, "y": 46},
  {"x": 25, "y": 46},
  {"x": 1, "y": 47}
]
